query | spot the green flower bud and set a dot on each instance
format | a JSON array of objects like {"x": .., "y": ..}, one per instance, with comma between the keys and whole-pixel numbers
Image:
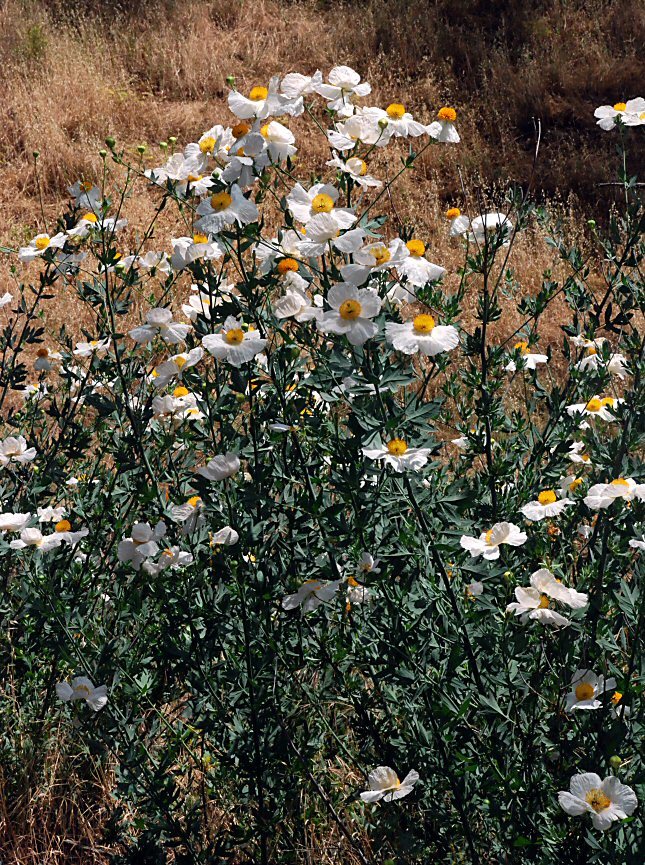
[
  {"x": 383, "y": 123},
  {"x": 110, "y": 141},
  {"x": 141, "y": 149},
  {"x": 36, "y": 154},
  {"x": 230, "y": 80},
  {"x": 102, "y": 153},
  {"x": 163, "y": 145},
  {"x": 615, "y": 762},
  {"x": 240, "y": 397},
  {"x": 172, "y": 139},
  {"x": 591, "y": 223}
]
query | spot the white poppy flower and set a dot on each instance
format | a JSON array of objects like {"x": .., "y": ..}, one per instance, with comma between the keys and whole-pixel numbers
[
  {"x": 295, "y": 85},
  {"x": 226, "y": 537},
  {"x": 367, "y": 565},
  {"x": 185, "y": 250},
  {"x": 443, "y": 129},
  {"x": 634, "y": 543},
  {"x": 586, "y": 687},
  {"x": 351, "y": 312},
  {"x": 603, "y": 495},
  {"x": 263, "y": 102},
  {"x": 320, "y": 198},
  {"x": 223, "y": 209},
  {"x": 35, "y": 538},
  {"x": 63, "y": 529},
  {"x": 233, "y": 344},
  {"x": 279, "y": 143},
  {"x": 180, "y": 405},
  {"x": 375, "y": 257},
  {"x": 14, "y": 449},
  {"x": 190, "y": 515},
  {"x": 357, "y": 169},
  {"x": 50, "y": 514},
  {"x": 343, "y": 87},
  {"x": 384, "y": 784},
  {"x": 546, "y": 505},
  {"x": 577, "y": 453},
  {"x": 357, "y": 593},
  {"x": 159, "y": 322},
  {"x": 82, "y": 688},
  {"x": 418, "y": 269},
  {"x": 396, "y": 121},
  {"x": 488, "y": 543},
  {"x": 421, "y": 335},
  {"x": 220, "y": 467},
  {"x": 5, "y": 299},
  {"x": 10, "y": 522},
  {"x": 311, "y": 595},
  {"x": 86, "y": 195},
  {"x": 606, "y": 801},
  {"x": 272, "y": 252},
  {"x": 98, "y": 347},
  {"x": 630, "y": 113},
  {"x": 529, "y": 360},
  {"x": 297, "y": 305},
  {"x": 175, "y": 366},
  {"x": 46, "y": 359},
  {"x": 359, "y": 128},
  {"x": 171, "y": 557},
  {"x": 322, "y": 231},
  {"x": 40, "y": 244},
  {"x": 215, "y": 142},
  {"x": 397, "y": 454},
  {"x": 616, "y": 364},
  {"x": 536, "y": 602},
  {"x": 142, "y": 544},
  {"x": 474, "y": 590},
  {"x": 596, "y": 407}
]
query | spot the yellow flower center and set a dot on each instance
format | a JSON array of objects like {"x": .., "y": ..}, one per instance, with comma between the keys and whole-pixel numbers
[
  {"x": 63, "y": 526},
  {"x": 594, "y": 405},
  {"x": 180, "y": 362},
  {"x": 42, "y": 242},
  {"x": 200, "y": 238},
  {"x": 616, "y": 698},
  {"x": 395, "y": 110},
  {"x": 94, "y": 342},
  {"x": 453, "y": 213},
  {"x": 397, "y": 447},
  {"x": 207, "y": 145},
  {"x": 592, "y": 350},
  {"x": 194, "y": 178},
  {"x": 488, "y": 536},
  {"x": 352, "y": 582},
  {"x": 180, "y": 391},
  {"x": 85, "y": 186},
  {"x": 620, "y": 106},
  {"x": 287, "y": 265},
  {"x": 619, "y": 482},
  {"x": 547, "y": 497},
  {"x": 522, "y": 346},
  {"x": 598, "y": 800},
  {"x": 416, "y": 247},
  {"x": 220, "y": 201},
  {"x": 381, "y": 255},
  {"x": 360, "y": 167},
  {"x": 575, "y": 483},
  {"x": 446, "y": 113},
  {"x": 193, "y": 501},
  {"x": 423, "y": 324},
  {"x": 83, "y": 690},
  {"x": 585, "y": 691},
  {"x": 545, "y": 603},
  {"x": 240, "y": 130},
  {"x": 234, "y": 336},
  {"x": 257, "y": 94},
  {"x": 607, "y": 401},
  {"x": 90, "y": 217},
  {"x": 322, "y": 203},
  {"x": 585, "y": 458},
  {"x": 350, "y": 310}
]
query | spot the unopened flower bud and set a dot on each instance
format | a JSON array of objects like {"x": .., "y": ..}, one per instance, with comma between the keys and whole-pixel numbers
[
  {"x": 102, "y": 153},
  {"x": 240, "y": 397},
  {"x": 110, "y": 141},
  {"x": 230, "y": 80},
  {"x": 172, "y": 139},
  {"x": 615, "y": 762},
  {"x": 383, "y": 123},
  {"x": 141, "y": 148},
  {"x": 163, "y": 145},
  {"x": 36, "y": 154}
]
